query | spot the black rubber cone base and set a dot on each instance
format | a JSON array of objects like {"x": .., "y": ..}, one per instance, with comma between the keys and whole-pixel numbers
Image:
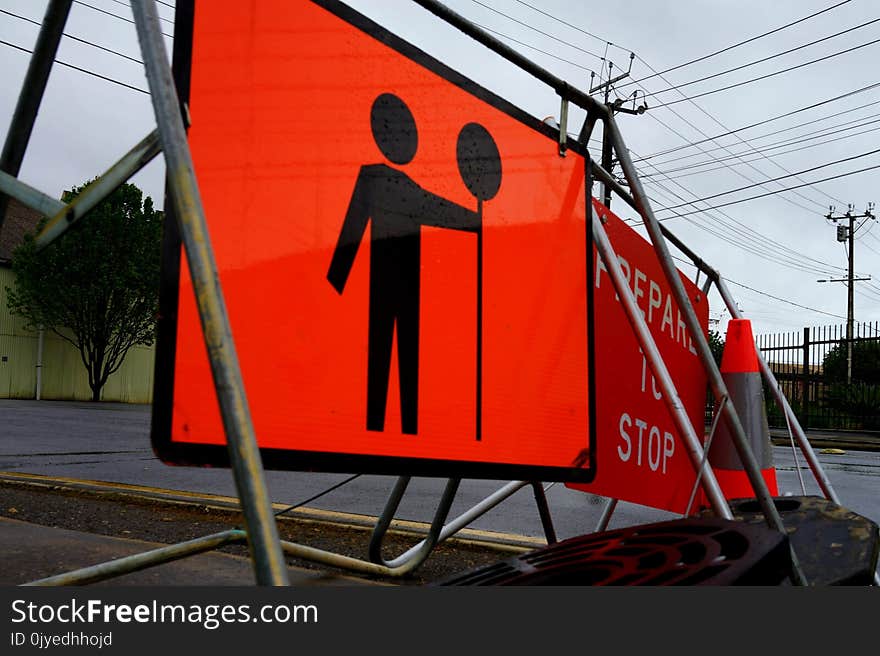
[
  {"x": 833, "y": 545},
  {"x": 691, "y": 551}
]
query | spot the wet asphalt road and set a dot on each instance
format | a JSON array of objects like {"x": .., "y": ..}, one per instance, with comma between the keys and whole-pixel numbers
[{"x": 110, "y": 442}]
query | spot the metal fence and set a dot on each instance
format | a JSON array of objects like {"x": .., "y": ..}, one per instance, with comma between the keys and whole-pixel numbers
[{"x": 827, "y": 387}]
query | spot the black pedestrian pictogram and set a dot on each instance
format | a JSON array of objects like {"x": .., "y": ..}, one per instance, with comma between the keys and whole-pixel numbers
[{"x": 397, "y": 207}]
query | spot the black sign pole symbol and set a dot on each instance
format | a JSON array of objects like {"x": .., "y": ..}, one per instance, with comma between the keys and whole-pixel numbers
[
  {"x": 479, "y": 164},
  {"x": 397, "y": 207}
]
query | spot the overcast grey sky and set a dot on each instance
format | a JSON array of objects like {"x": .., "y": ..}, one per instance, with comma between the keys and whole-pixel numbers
[{"x": 773, "y": 248}]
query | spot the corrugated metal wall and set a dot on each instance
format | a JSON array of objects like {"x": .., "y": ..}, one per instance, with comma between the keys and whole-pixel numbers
[{"x": 63, "y": 377}]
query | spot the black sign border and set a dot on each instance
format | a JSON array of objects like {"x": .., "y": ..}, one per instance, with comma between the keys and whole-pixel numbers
[{"x": 174, "y": 452}]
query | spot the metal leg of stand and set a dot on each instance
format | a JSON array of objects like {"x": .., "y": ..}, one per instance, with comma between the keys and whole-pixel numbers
[
  {"x": 268, "y": 557},
  {"x": 692, "y": 443},
  {"x": 605, "y": 519},
  {"x": 544, "y": 512},
  {"x": 141, "y": 561},
  {"x": 132, "y": 162},
  {"x": 750, "y": 464},
  {"x": 413, "y": 558},
  {"x": 769, "y": 378},
  {"x": 25, "y": 114}
]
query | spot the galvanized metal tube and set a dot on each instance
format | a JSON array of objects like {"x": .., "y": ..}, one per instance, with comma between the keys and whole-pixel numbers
[
  {"x": 706, "y": 447},
  {"x": 383, "y": 522},
  {"x": 411, "y": 559},
  {"x": 621, "y": 191},
  {"x": 455, "y": 525},
  {"x": 673, "y": 402},
  {"x": 132, "y": 162},
  {"x": 333, "y": 559},
  {"x": 262, "y": 531},
  {"x": 797, "y": 462},
  {"x": 28, "y": 196},
  {"x": 608, "y": 179},
  {"x": 716, "y": 383},
  {"x": 561, "y": 87},
  {"x": 770, "y": 379},
  {"x": 25, "y": 114},
  {"x": 336, "y": 560},
  {"x": 144, "y": 560},
  {"x": 544, "y": 513},
  {"x": 607, "y": 511},
  {"x": 696, "y": 331}
]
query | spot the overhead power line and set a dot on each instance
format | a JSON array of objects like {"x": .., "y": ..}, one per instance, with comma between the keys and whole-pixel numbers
[
  {"x": 783, "y": 177},
  {"x": 78, "y": 39},
  {"x": 739, "y": 157},
  {"x": 741, "y": 236},
  {"x": 81, "y": 70},
  {"x": 766, "y": 59},
  {"x": 744, "y": 200},
  {"x": 128, "y": 6},
  {"x": 531, "y": 47},
  {"x": 701, "y": 165},
  {"x": 575, "y": 27},
  {"x": 764, "y": 77},
  {"x": 740, "y": 43},
  {"x": 783, "y": 300},
  {"x": 821, "y": 103},
  {"x": 776, "y": 133},
  {"x": 532, "y": 27},
  {"x": 110, "y": 13},
  {"x": 726, "y": 148},
  {"x": 820, "y": 204},
  {"x": 745, "y": 238}
]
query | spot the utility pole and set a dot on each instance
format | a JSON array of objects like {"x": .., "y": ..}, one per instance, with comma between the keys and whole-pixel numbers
[
  {"x": 614, "y": 108},
  {"x": 846, "y": 233}
]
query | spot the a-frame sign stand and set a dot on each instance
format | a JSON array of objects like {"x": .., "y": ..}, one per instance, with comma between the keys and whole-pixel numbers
[{"x": 266, "y": 548}]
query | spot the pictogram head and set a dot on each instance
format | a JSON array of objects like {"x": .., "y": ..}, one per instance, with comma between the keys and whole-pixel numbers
[{"x": 394, "y": 128}]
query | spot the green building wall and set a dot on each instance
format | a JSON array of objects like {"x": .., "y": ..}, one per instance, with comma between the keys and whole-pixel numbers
[{"x": 63, "y": 375}]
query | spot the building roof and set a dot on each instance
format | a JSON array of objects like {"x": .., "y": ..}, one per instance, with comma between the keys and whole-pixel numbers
[{"x": 19, "y": 221}]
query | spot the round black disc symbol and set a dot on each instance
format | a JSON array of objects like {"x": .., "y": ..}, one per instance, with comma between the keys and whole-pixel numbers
[
  {"x": 479, "y": 162},
  {"x": 394, "y": 128}
]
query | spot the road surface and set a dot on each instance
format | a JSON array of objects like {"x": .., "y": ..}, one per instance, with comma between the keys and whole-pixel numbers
[{"x": 110, "y": 442}]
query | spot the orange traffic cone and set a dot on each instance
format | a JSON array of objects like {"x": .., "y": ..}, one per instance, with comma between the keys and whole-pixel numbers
[{"x": 742, "y": 377}]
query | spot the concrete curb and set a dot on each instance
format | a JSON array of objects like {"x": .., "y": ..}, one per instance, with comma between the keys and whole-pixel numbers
[
  {"x": 837, "y": 440},
  {"x": 502, "y": 542}
]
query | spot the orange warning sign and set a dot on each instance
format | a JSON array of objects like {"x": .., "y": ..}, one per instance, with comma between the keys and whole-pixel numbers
[
  {"x": 404, "y": 258},
  {"x": 643, "y": 457}
]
